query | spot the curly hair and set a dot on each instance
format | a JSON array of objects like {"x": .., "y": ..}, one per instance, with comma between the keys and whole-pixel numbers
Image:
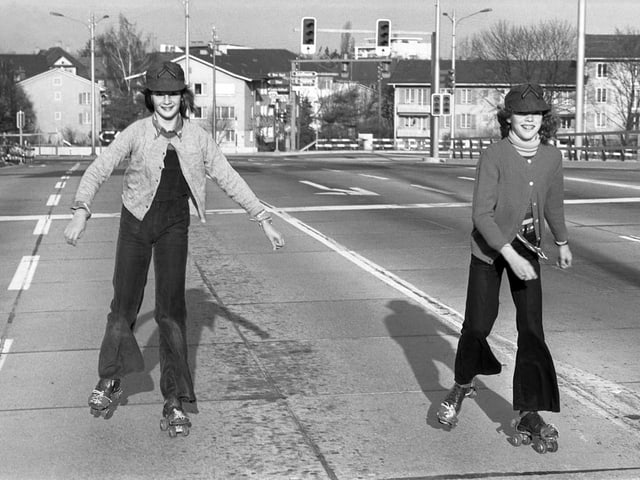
[
  {"x": 548, "y": 129},
  {"x": 186, "y": 102}
]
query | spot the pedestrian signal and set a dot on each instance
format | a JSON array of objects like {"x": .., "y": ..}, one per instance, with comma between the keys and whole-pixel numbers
[{"x": 308, "y": 35}]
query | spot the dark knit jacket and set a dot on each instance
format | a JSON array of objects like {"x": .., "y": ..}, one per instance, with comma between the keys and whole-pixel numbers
[{"x": 506, "y": 183}]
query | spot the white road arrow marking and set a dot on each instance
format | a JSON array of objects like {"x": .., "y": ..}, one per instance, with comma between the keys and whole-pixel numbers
[{"x": 338, "y": 191}]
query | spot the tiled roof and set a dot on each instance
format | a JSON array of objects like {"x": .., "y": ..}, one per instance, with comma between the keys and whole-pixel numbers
[
  {"x": 29, "y": 63},
  {"x": 253, "y": 64},
  {"x": 486, "y": 72},
  {"x": 36, "y": 63},
  {"x": 612, "y": 46}
]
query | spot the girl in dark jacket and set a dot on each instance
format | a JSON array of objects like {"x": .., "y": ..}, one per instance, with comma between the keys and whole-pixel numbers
[{"x": 519, "y": 185}]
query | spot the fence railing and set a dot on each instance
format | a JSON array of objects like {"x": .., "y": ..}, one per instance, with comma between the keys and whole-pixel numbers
[{"x": 611, "y": 145}]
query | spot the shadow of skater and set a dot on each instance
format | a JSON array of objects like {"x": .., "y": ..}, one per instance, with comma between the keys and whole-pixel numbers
[
  {"x": 203, "y": 313},
  {"x": 422, "y": 337}
]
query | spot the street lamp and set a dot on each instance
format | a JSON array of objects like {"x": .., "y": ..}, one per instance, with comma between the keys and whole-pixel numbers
[
  {"x": 92, "y": 32},
  {"x": 454, "y": 22}
]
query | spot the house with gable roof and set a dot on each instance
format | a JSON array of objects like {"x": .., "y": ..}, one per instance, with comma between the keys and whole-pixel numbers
[
  {"x": 244, "y": 107},
  {"x": 62, "y": 105},
  {"x": 59, "y": 89}
]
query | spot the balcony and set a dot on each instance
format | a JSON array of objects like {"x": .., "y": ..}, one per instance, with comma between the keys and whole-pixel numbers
[{"x": 413, "y": 109}]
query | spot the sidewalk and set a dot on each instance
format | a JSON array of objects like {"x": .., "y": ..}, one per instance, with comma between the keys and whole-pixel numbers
[{"x": 305, "y": 367}]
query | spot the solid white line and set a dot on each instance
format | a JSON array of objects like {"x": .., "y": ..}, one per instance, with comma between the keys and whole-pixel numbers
[
  {"x": 372, "y": 176},
  {"x": 608, "y": 399},
  {"x": 53, "y": 200},
  {"x": 632, "y": 238},
  {"x": 471, "y": 179},
  {"x": 431, "y": 189},
  {"x": 24, "y": 273},
  {"x": 602, "y": 182},
  {"x": 42, "y": 227},
  {"x": 5, "y": 351}
]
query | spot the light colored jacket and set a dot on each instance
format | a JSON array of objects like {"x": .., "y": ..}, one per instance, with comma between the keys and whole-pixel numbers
[
  {"x": 199, "y": 156},
  {"x": 506, "y": 183}
]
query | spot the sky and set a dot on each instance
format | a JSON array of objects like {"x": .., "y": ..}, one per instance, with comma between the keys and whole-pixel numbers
[{"x": 27, "y": 25}]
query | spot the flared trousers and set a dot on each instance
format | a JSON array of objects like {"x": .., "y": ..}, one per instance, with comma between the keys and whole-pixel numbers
[
  {"x": 163, "y": 236},
  {"x": 535, "y": 385}
]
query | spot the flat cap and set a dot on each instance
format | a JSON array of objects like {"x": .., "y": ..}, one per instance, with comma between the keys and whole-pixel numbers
[{"x": 526, "y": 98}]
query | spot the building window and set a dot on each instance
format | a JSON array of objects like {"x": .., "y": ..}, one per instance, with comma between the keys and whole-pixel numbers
[
  {"x": 228, "y": 136},
  {"x": 84, "y": 118},
  {"x": 57, "y": 81},
  {"x": 465, "y": 96},
  {"x": 565, "y": 122},
  {"x": 601, "y": 70},
  {"x": 226, "y": 113},
  {"x": 465, "y": 120},
  {"x": 199, "y": 112},
  {"x": 601, "y": 95},
  {"x": 601, "y": 120},
  {"x": 57, "y": 96},
  {"x": 418, "y": 96},
  {"x": 84, "y": 98},
  {"x": 57, "y": 116},
  {"x": 200, "y": 88}
]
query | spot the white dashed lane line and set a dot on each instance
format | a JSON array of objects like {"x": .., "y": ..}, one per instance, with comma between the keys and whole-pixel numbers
[{"x": 24, "y": 273}]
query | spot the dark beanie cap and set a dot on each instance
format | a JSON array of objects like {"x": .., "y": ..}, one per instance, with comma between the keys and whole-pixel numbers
[
  {"x": 526, "y": 98},
  {"x": 165, "y": 77}
]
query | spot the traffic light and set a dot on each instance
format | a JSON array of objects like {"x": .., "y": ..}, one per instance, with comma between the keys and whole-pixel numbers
[
  {"x": 451, "y": 78},
  {"x": 446, "y": 104},
  {"x": 308, "y": 35},
  {"x": 436, "y": 104},
  {"x": 383, "y": 32}
]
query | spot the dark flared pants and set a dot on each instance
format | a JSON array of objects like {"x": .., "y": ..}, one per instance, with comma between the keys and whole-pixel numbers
[
  {"x": 535, "y": 386},
  {"x": 163, "y": 236}
]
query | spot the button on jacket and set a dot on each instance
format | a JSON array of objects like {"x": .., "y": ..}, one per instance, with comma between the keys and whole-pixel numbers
[
  {"x": 199, "y": 156},
  {"x": 506, "y": 184}
]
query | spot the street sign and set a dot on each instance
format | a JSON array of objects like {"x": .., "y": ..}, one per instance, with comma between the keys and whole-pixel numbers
[
  {"x": 20, "y": 119},
  {"x": 304, "y": 79}
]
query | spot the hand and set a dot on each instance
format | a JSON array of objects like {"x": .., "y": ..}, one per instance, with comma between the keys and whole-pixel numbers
[
  {"x": 520, "y": 265},
  {"x": 76, "y": 227},
  {"x": 565, "y": 258},
  {"x": 274, "y": 236}
]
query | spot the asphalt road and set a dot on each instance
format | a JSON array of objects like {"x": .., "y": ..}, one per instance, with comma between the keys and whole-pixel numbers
[{"x": 327, "y": 359}]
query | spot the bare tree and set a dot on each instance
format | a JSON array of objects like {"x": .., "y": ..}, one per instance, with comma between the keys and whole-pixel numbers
[
  {"x": 533, "y": 53},
  {"x": 123, "y": 52},
  {"x": 624, "y": 77}
]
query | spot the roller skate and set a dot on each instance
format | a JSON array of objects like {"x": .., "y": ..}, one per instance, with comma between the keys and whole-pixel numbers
[
  {"x": 450, "y": 406},
  {"x": 174, "y": 420},
  {"x": 104, "y": 399},
  {"x": 532, "y": 430}
]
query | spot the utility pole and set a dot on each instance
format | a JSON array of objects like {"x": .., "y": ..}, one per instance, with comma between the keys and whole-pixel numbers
[
  {"x": 435, "y": 84},
  {"x": 580, "y": 77},
  {"x": 92, "y": 43},
  {"x": 214, "y": 48},
  {"x": 186, "y": 41}
]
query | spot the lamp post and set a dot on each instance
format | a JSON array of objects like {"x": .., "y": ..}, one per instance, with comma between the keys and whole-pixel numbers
[
  {"x": 92, "y": 32},
  {"x": 454, "y": 22},
  {"x": 214, "y": 48}
]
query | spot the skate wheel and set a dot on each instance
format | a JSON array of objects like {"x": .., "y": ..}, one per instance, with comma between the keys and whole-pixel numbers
[
  {"x": 526, "y": 439},
  {"x": 172, "y": 432},
  {"x": 540, "y": 447},
  {"x": 552, "y": 446},
  {"x": 185, "y": 431},
  {"x": 516, "y": 440},
  {"x": 95, "y": 412},
  {"x": 164, "y": 424}
]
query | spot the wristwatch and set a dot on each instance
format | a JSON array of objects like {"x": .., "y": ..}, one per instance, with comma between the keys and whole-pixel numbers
[{"x": 82, "y": 206}]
